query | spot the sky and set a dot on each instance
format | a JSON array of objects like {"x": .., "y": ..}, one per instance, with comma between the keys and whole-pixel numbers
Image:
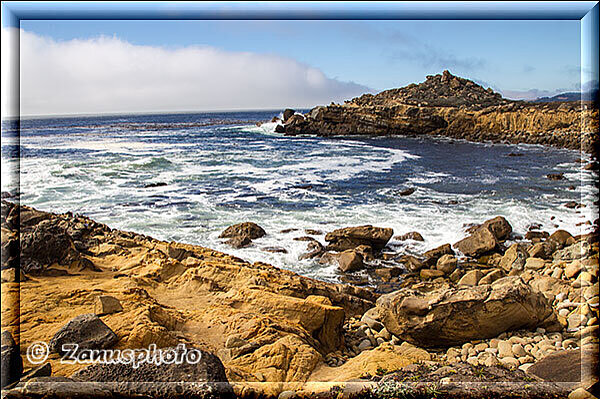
[{"x": 96, "y": 66}]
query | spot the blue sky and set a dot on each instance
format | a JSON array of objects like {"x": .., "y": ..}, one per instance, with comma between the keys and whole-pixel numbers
[
  {"x": 98, "y": 66},
  {"x": 509, "y": 55}
]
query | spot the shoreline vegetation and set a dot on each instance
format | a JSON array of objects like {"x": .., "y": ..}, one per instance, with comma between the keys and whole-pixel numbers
[
  {"x": 454, "y": 107},
  {"x": 494, "y": 314},
  {"x": 520, "y": 320}
]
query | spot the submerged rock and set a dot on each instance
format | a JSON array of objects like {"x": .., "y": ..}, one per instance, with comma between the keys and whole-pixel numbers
[{"x": 248, "y": 229}]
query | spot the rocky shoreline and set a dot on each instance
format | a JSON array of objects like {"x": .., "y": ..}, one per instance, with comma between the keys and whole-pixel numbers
[
  {"x": 491, "y": 315},
  {"x": 450, "y": 106}
]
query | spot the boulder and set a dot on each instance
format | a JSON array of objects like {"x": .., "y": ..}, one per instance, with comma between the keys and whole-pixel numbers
[
  {"x": 87, "y": 331},
  {"x": 411, "y": 263},
  {"x": 514, "y": 258},
  {"x": 412, "y": 235},
  {"x": 480, "y": 242},
  {"x": 492, "y": 276},
  {"x": 352, "y": 237},
  {"x": 498, "y": 226},
  {"x": 106, "y": 304},
  {"x": 452, "y": 316},
  {"x": 535, "y": 263},
  {"x": 350, "y": 261},
  {"x": 432, "y": 256},
  {"x": 471, "y": 278},
  {"x": 196, "y": 366},
  {"x": 446, "y": 263},
  {"x": 562, "y": 238},
  {"x": 427, "y": 274},
  {"x": 541, "y": 250},
  {"x": 12, "y": 363},
  {"x": 248, "y": 229}
]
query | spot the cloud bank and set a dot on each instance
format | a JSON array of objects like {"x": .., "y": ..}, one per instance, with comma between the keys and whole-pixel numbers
[{"x": 109, "y": 75}]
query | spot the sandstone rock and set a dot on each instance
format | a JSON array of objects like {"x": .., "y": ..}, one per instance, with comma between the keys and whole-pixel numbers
[
  {"x": 562, "y": 238},
  {"x": 352, "y": 237},
  {"x": 535, "y": 263},
  {"x": 106, "y": 304},
  {"x": 514, "y": 258},
  {"x": 446, "y": 263},
  {"x": 499, "y": 227},
  {"x": 455, "y": 316},
  {"x": 578, "y": 250},
  {"x": 413, "y": 235},
  {"x": 478, "y": 243},
  {"x": 471, "y": 278},
  {"x": 540, "y": 250},
  {"x": 426, "y": 274},
  {"x": 350, "y": 261},
  {"x": 573, "y": 269},
  {"x": 537, "y": 235},
  {"x": 385, "y": 357},
  {"x": 87, "y": 331},
  {"x": 581, "y": 393},
  {"x": 247, "y": 229},
  {"x": 411, "y": 263},
  {"x": 432, "y": 256},
  {"x": 492, "y": 276}
]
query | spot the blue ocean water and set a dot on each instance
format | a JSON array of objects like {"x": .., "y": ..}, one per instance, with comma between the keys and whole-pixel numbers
[{"x": 217, "y": 169}]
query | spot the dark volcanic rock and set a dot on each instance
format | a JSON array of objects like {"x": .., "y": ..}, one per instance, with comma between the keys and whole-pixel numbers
[
  {"x": 202, "y": 367},
  {"x": 87, "y": 331},
  {"x": 287, "y": 114}
]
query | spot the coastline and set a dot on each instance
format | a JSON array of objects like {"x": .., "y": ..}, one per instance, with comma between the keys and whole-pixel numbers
[
  {"x": 294, "y": 329},
  {"x": 449, "y": 106}
]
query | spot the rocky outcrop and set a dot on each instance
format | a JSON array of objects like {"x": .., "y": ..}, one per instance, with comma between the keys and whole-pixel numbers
[
  {"x": 455, "y": 107},
  {"x": 450, "y": 316}
]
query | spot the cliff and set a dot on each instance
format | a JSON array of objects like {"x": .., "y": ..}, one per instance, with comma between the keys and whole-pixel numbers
[{"x": 455, "y": 107}]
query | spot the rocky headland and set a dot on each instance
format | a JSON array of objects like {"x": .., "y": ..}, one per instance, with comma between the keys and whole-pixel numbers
[
  {"x": 492, "y": 315},
  {"x": 450, "y": 106}
]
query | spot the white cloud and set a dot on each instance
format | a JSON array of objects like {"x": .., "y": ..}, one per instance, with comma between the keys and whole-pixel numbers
[{"x": 109, "y": 75}]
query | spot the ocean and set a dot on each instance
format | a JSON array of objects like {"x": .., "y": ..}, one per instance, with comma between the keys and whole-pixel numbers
[{"x": 186, "y": 177}]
